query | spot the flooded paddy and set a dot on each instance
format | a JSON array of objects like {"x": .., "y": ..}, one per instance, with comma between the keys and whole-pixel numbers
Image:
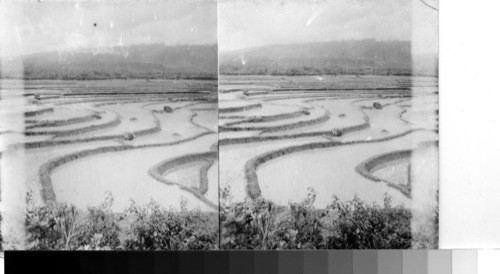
[
  {"x": 365, "y": 117},
  {"x": 103, "y": 137}
]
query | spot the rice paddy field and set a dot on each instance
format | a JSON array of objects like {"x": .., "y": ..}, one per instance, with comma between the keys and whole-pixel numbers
[
  {"x": 180, "y": 143},
  {"x": 138, "y": 140},
  {"x": 364, "y": 136}
]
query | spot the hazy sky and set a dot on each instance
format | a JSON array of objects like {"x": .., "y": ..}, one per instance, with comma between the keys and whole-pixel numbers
[
  {"x": 244, "y": 24},
  {"x": 70, "y": 25},
  {"x": 46, "y": 25}
]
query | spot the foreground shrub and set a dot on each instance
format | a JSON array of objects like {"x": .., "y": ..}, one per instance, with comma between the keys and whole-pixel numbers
[
  {"x": 303, "y": 227},
  {"x": 100, "y": 230},
  {"x": 250, "y": 225},
  {"x": 154, "y": 228},
  {"x": 353, "y": 224},
  {"x": 246, "y": 225},
  {"x": 362, "y": 226},
  {"x": 51, "y": 227},
  {"x": 60, "y": 226}
]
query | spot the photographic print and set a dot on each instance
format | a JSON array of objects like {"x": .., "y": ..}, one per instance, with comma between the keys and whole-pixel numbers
[
  {"x": 108, "y": 125},
  {"x": 231, "y": 124},
  {"x": 328, "y": 124}
]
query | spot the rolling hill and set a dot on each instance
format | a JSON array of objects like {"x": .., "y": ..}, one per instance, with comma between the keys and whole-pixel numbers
[
  {"x": 136, "y": 61},
  {"x": 337, "y": 57}
]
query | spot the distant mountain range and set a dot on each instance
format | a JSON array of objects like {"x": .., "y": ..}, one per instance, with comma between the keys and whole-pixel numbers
[
  {"x": 158, "y": 61},
  {"x": 136, "y": 61},
  {"x": 337, "y": 57}
]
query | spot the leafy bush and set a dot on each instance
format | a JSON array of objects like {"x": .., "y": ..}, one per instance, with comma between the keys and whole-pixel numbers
[
  {"x": 353, "y": 224},
  {"x": 303, "y": 227},
  {"x": 362, "y": 226},
  {"x": 59, "y": 226},
  {"x": 101, "y": 229},
  {"x": 250, "y": 225},
  {"x": 239, "y": 227},
  {"x": 51, "y": 226},
  {"x": 154, "y": 228}
]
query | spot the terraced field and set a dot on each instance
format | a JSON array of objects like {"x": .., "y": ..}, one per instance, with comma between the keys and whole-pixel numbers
[
  {"x": 347, "y": 136},
  {"x": 179, "y": 144},
  {"x": 139, "y": 140}
]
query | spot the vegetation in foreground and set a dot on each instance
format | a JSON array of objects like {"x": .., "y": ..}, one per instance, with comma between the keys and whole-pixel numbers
[
  {"x": 354, "y": 224},
  {"x": 257, "y": 224},
  {"x": 148, "y": 227}
]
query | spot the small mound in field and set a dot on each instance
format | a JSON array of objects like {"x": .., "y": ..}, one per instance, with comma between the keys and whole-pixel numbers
[
  {"x": 306, "y": 112},
  {"x": 380, "y": 96},
  {"x": 336, "y": 132},
  {"x": 176, "y": 134},
  {"x": 98, "y": 117},
  {"x": 384, "y": 131},
  {"x": 377, "y": 105},
  {"x": 168, "y": 109},
  {"x": 133, "y": 119},
  {"x": 128, "y": 136},
  {"x": 342, "y": 115}
]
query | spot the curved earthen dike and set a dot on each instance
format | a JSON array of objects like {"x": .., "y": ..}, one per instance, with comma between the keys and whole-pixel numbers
[
  {"x": 229, "y": 90},
  {"x": 191, "y": 120},
  {"x": 209, "y": 158},
  {"x": 61, "y": 123},
  {"x": 46, "y": 169},
  {"x": 251, "y": 167},
  {"x": 405, "y": 110},
  {"x": 269, "y": 118},
  {"x": 51, "y": 143},
  {"x": 327, "y": 133},
  {"x": 322, "y": 119},
  {"x": 339, "y": 89},
  {"x": 62, "y": 133},
  {"x": 367, "y": 167},
  {"x": 94, "y": 100},
  {"x": 239, "y": 109},
  {"x": 31, "y": 113},
  {"x": 255, "y": 93},
  {"x": 233, "y": 117}
]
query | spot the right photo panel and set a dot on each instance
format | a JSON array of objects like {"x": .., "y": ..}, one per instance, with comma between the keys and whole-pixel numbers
[{"x": 328, "y": 124}]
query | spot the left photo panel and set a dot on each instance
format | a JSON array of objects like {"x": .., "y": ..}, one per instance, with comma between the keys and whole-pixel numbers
[{"x": 108, "y": 125}]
